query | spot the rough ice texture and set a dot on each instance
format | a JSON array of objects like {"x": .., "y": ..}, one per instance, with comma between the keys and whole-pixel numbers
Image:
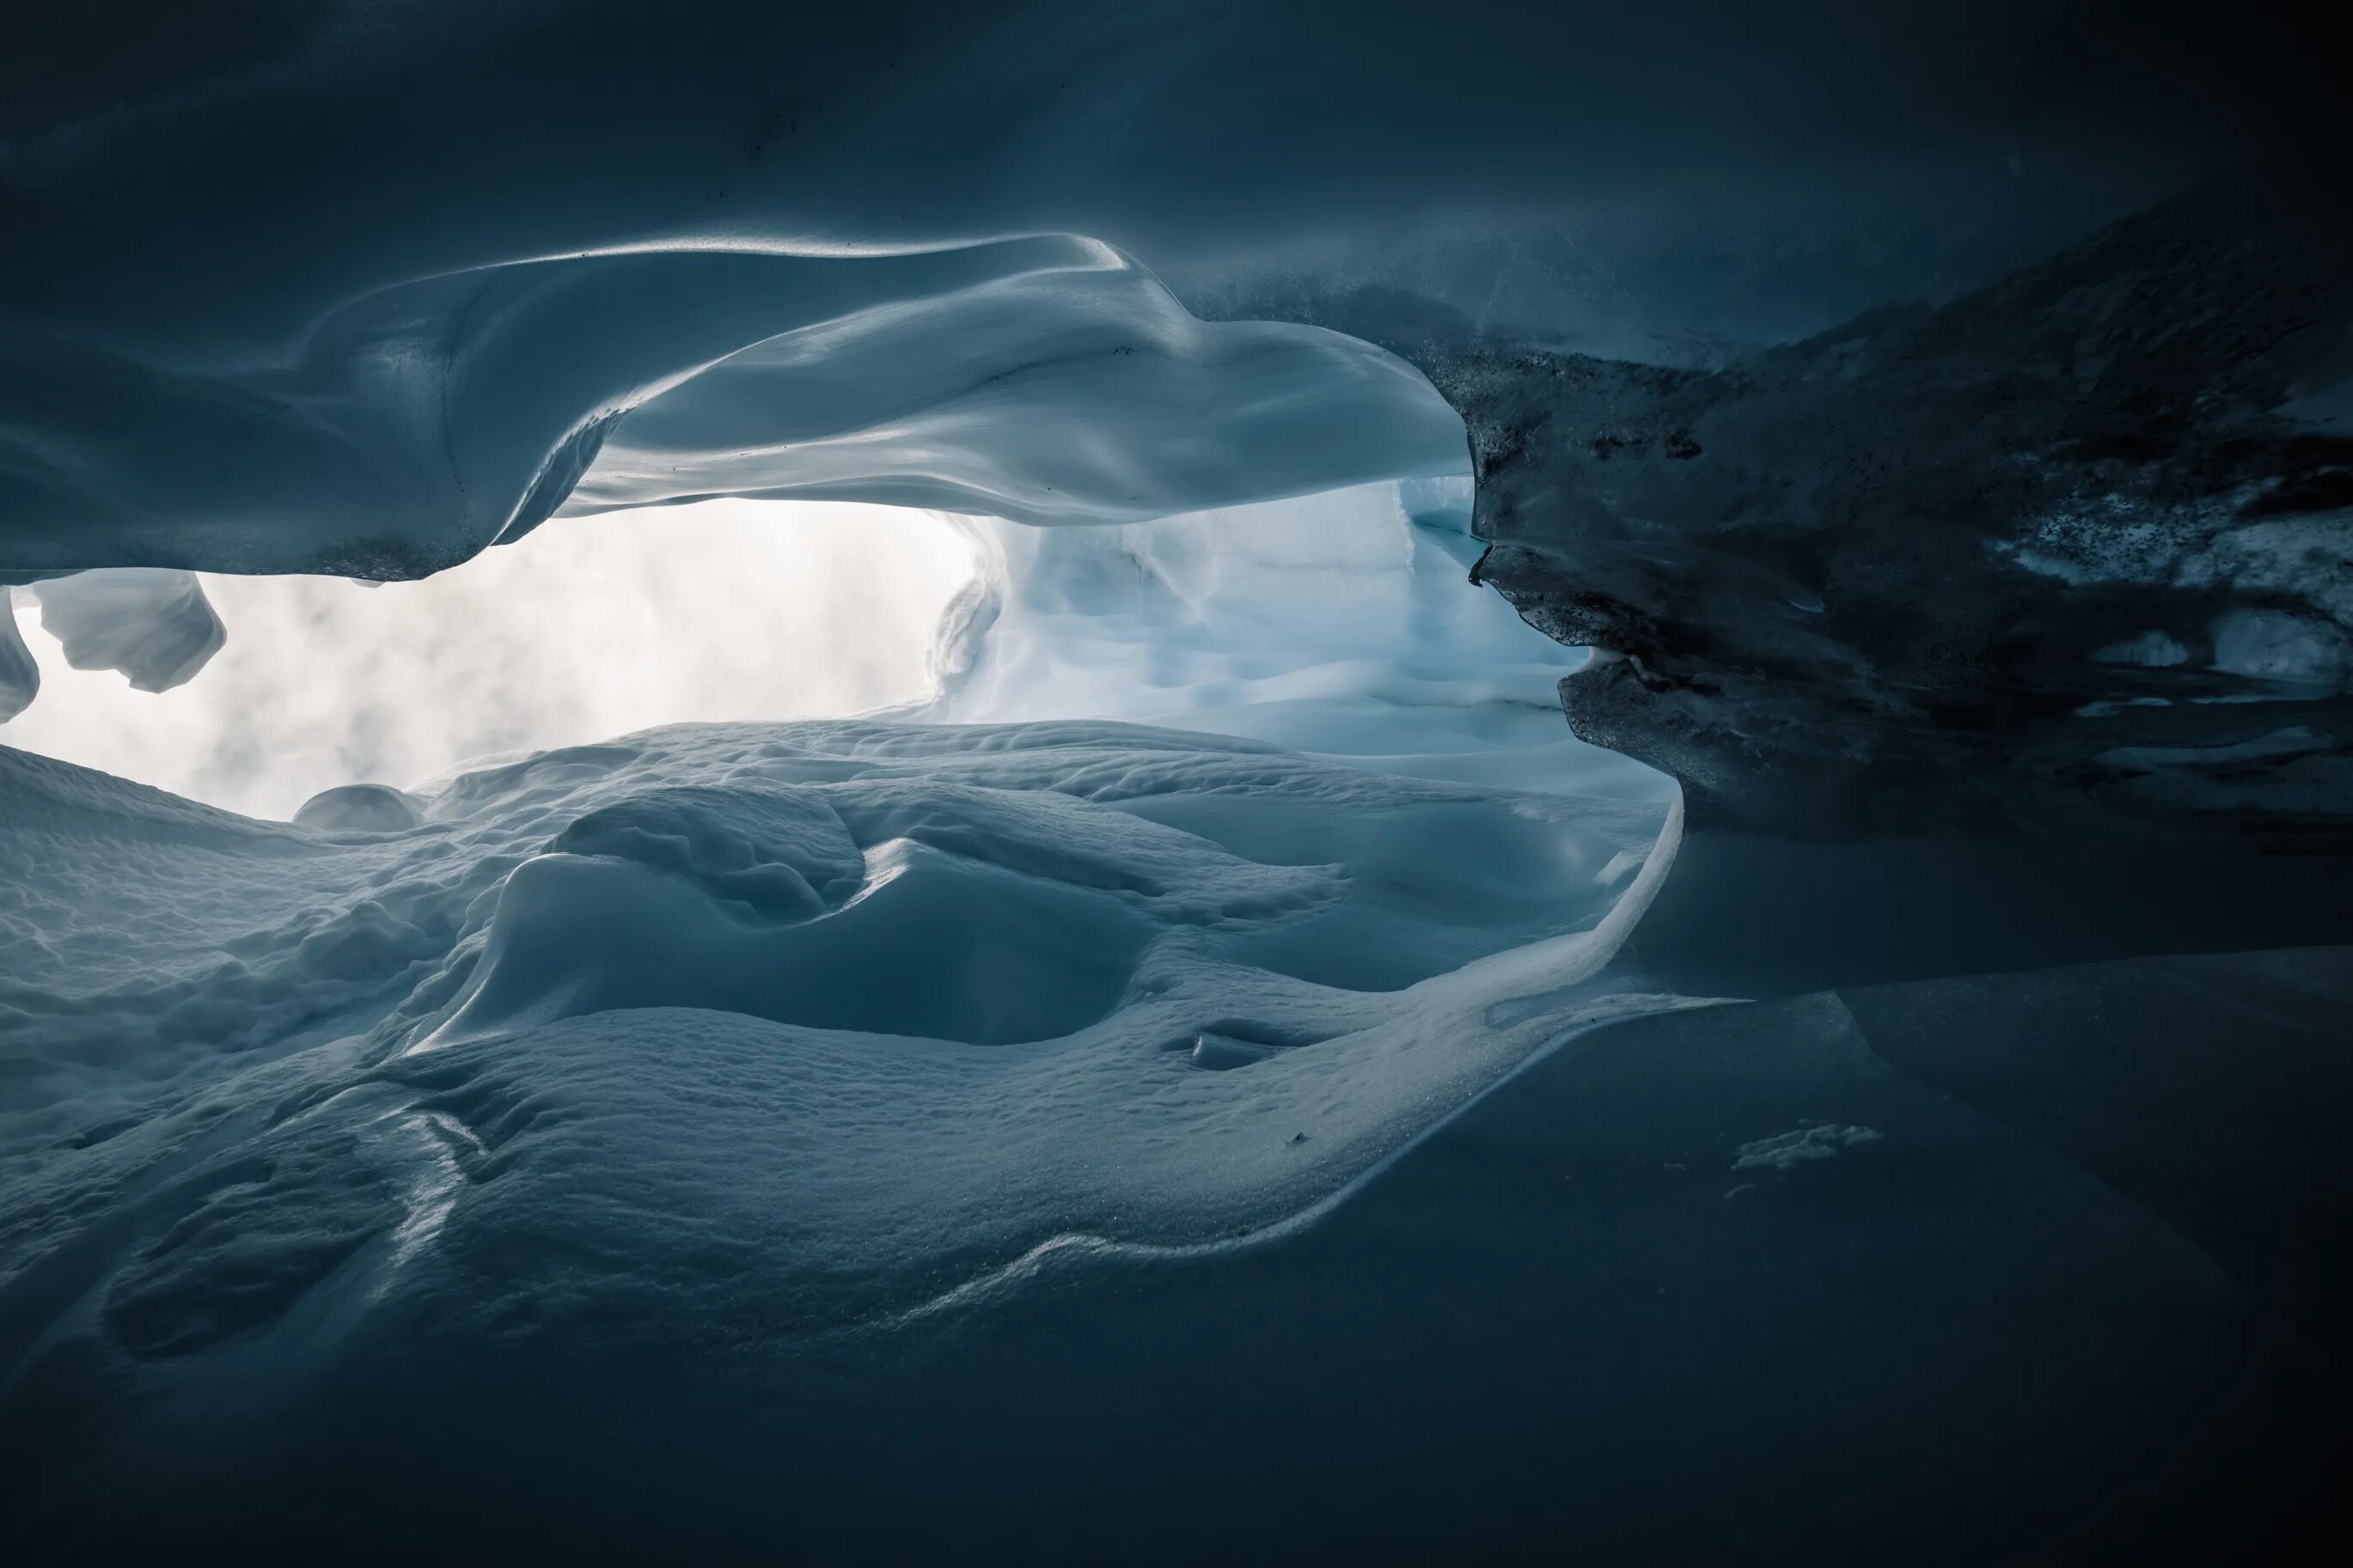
[{"x": 1941, "y": 563}]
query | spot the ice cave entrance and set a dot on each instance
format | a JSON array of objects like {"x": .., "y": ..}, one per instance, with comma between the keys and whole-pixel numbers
[
  {"x": 588, "y": 628},
  {"x": 1342, "y": 623}
]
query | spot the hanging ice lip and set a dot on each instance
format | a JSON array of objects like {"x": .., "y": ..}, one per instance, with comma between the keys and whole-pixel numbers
[
  {"x": 1078, "y": 391},
  {"x": 20, "y": 677},
  {"x": 1047, "y": 379},
  {"x": 154, "y": 626}
]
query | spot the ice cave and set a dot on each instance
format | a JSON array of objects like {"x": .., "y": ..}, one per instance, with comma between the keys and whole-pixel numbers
[{"x": 1294, "y": 782}]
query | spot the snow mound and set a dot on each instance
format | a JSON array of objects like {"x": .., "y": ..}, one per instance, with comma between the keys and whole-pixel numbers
[
  {"x": 826, "y": 1017},
  {"x": 359, "y": 808}
]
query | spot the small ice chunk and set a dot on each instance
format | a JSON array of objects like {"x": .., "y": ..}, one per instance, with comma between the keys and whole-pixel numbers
[
  {"x": 1787, "y": 1151},
  {"x": 360, "y": 808},
  {"x": 151, "y": 624}
]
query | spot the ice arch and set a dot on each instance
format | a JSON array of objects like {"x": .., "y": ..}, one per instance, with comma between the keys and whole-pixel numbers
[{"x": 1048, "y": 380}]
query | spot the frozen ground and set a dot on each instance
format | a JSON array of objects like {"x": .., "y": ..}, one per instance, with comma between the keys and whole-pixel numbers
[{"x": 722, "y": 1033}]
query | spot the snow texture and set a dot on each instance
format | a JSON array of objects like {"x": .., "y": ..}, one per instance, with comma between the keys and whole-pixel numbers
[
  {"x": 836, "y": 1014},
  {"x": 790, "y": 1028}
]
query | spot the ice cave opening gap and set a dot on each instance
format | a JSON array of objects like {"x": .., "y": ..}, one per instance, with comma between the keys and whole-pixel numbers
[
  {"x": 1344, "y": 622},
  {"x": 586, "y": 629}
]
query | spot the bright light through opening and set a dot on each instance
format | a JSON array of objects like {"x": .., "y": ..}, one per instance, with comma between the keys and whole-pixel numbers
[{"x": 589, "y": 628}]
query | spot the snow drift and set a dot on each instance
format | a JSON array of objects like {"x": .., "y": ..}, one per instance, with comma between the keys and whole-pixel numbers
[{"x": 811, "y": 1029}]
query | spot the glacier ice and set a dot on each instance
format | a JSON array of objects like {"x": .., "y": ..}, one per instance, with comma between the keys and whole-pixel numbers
[
  {"x": 154, "y": 626},
  {"x": 1048, "y": 379},
  {"x": 1337, "y": 624},
  {"x": 20, "y": 675}
]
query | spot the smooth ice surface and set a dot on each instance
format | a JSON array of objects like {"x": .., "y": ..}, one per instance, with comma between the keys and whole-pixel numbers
[{"x": 1047, "y": 379}]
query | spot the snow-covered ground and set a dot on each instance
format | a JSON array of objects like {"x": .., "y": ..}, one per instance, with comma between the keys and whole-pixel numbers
[{"x": 770, "y": 1029}]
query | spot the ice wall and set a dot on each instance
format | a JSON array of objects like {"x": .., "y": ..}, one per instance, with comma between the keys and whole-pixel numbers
[{"x": 1343, "y": 624}]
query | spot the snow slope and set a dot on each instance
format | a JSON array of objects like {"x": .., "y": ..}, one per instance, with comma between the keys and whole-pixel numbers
[
  {"x": 772, "y": 1030},
  {"x": 746, "y": 1028}
]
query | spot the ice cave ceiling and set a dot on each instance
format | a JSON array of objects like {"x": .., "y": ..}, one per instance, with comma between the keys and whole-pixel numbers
[{"x": 366, "y": 289}]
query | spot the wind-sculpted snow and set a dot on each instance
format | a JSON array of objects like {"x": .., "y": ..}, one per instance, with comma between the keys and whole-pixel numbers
[
  {"x": 734, "y": 1027},
  {"x": 20, "y": 677},
  {"x": 774, "y": 1030}
]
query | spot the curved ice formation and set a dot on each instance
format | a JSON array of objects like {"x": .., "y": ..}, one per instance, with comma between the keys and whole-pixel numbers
[
  {"x": 20, "y": 677},
  {"x": 1047, "y": 379},
  {"x": 722, "y": 1032},
  {"x": 1044, "y": 380},
  {"x": 154, "y": 626},
  {"x": 360, "y": 808}
]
